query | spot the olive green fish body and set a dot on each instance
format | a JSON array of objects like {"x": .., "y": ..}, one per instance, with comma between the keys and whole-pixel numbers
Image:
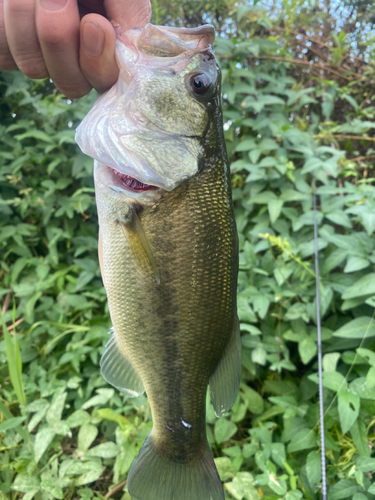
[{"x": 169, "y": 264}]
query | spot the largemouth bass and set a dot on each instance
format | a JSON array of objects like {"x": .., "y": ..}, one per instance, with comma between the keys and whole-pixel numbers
[{"x": 168, "y": 250}]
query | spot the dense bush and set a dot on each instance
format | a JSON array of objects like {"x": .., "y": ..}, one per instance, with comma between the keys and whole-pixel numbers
[{"x": 290, "y": 113}]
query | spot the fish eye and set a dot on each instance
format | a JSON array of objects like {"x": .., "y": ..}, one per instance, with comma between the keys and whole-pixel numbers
[{"x": 200, "y": 83}]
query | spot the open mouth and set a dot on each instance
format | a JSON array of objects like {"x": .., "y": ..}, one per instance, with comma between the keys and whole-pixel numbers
[{"x": 132, "y": 184}]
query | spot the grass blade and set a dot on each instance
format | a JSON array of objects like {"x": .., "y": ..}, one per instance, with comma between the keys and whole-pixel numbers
[{"x": 14, "y": 363}]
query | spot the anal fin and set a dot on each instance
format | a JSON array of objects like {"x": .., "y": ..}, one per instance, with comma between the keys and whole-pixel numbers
[
  {"x": 118, "y": 371},
  {"x": 225, "y": 381},
  {"x": 133, "y": 230}
]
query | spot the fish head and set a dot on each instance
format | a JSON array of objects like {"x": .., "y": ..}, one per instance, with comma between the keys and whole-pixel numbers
[{"x": 150, "y": 126}]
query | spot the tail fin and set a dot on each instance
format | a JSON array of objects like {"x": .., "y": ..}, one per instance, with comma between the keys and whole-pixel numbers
[{"x": 154, "y": 476}]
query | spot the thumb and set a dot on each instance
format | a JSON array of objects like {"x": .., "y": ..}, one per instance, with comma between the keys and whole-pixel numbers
[{"x": 128, "y": 13}]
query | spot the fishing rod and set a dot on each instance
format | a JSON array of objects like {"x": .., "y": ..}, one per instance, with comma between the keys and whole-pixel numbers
[{"x": 319, "y": 341}]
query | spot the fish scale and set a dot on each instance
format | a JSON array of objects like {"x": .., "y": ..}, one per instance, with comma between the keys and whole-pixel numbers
[{"x": 170, "y": 262}]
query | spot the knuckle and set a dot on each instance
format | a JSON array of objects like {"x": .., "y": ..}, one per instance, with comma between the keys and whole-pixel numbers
[
  {"x": 33, "y": 67},
  {"x": 54, "y": 34},
  {"x": 51, "y": 38}
]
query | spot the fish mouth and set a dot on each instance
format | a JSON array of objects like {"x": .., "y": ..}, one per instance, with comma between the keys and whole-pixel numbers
[
  {"x": 131, "y": 183},
  {"x": 165, "y": 41}
]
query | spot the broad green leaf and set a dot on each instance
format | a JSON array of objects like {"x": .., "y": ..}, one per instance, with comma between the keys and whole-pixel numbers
[
  {"x": 335, "y": 259},
  {"x": 26, "y": 483},
  {"x": 42, "y": 441},
  {"x": 359, "y": 387},
  {"x": 261, "y": 305},
  {"x": 359, "y": 328},
  {"x": 360, "y": 496},
  {"x": 296, "y": 311},
  {"x": 348, "y": 406},
  {"x": 38, "y": 405},
  {"x": 339, "y": 218},
  {"x": 255, "y": 154},
  {"x": 8, "y": 415},
  {"x": 331, "y": 380},
  {"x": 242, "y": 486},
  {"x": 314, "y": 468},
  {"x": 125, "y": 458},
  {"x": 35, "y": 134},
  {"x": 363, "y": 286},
  {"x": 225, "y": 468},
  {"x": 253, "y": 399},
  {"x": 302, "y": 440},
  {"x": 355, "y": 263},
  {"x": 274, "y": 209},
  {"x": 86, "y": 436},
  {"x": 79, "y": 417},
  {"x": 294, "y": 495},
  {"x": 359, "y": 436},
  {"x": 253, "y": 330},
  {"x": 104, "y": 450},
  {"x": 278, "y": 485},
  {"x": 330, "y": 361},
  {"x": 278, "y": 453},
  {"x": 94, "y": 471},
  {"x": 370, "y": 378},
  {"x": 102, "y": 398},
  {"x": 54, "y": 412},
  {"x": 368, "y": 220},
  {"x": 224, "y": 429},
  {"x": 246, "y": 145},
  {"x": 263, "y": 198},
  {"x": 367, "y": 354},
  {"x": 11, "y": 423},
  {"x": 345, "y": 488},
  {"x": 307, "y": 349},
  {"x": 61, "y": 427},
  {"x": 366, "y": 464},
  {"x": 83, "y": 279},
  {"x": 352, "y": 303},
  {"x": 259, "y": 355},
  {"x": 350, "y": 100},
  {"x": 233, "y": 451},
  {"x": 245, "y": 312},
  {"x": 48, "y": 487}
]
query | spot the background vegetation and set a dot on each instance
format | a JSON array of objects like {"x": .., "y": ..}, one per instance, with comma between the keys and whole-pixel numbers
[{"x": 298, "y": 83}]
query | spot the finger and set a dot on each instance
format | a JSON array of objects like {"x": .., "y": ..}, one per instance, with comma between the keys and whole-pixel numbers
[
  {"x": 129, "y": 13},
  {"x": 6, "y": 59},
  {"x": 97, "y": 52},
  {"x": 19, "y": 16},
  {"x": 58, "y": 24}
]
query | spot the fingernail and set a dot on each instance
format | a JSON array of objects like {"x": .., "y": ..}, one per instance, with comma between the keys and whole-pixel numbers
[
  {"x": 52, "y": 4},
  {"x": 92, "y": 39}
]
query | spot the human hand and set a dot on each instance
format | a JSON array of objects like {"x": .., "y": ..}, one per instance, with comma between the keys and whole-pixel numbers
[{"x": 48, "y": 38}]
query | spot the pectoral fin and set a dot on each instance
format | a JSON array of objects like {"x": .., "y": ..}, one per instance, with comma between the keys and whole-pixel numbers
[
  {"x": 118, "y": 371},
  {"x": 225, "y": 381},
  {"x": 134, "y": 232}
]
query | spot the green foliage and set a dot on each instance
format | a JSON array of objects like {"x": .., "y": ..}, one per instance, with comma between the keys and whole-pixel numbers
[{"x": 65, "y": 432}]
